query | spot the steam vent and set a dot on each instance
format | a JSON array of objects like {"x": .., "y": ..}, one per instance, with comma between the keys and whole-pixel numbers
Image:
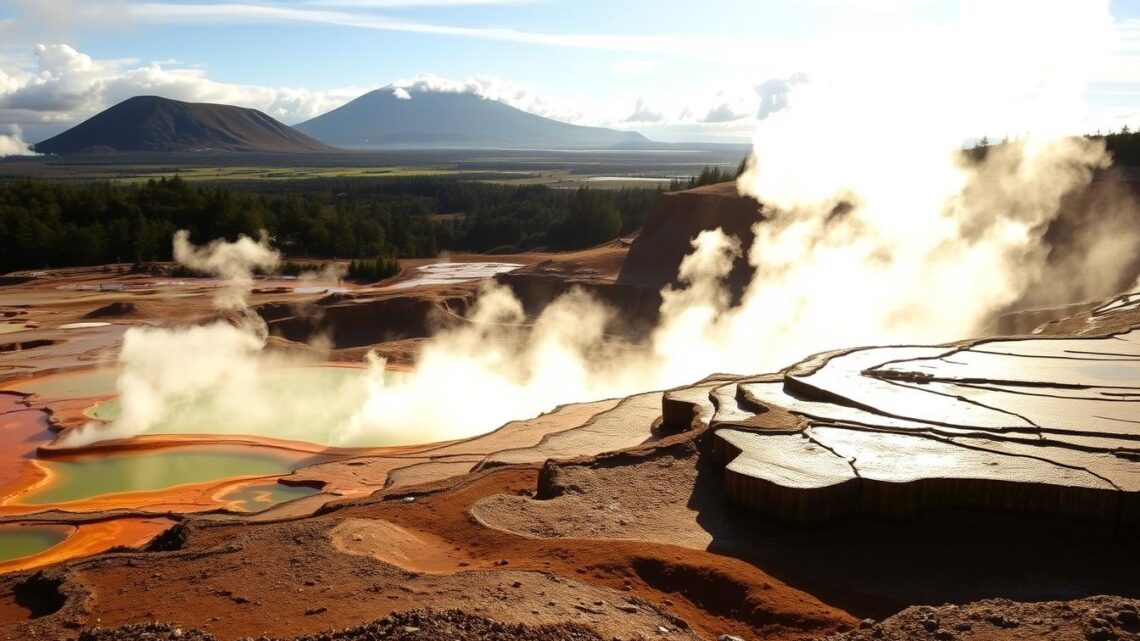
[
  {"x": 1044, "y": 425},
  {"x": 874, "y": 482}
]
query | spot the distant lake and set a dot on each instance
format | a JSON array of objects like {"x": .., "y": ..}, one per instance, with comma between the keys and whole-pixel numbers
[{"x": 645, "y": 179}]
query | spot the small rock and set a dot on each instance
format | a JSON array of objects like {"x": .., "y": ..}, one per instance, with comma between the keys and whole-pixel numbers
[{"x": 1003, "y": 621}]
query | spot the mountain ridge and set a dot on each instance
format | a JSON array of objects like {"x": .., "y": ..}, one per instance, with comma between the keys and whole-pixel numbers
[
  {"x": 438, "y": 119},
  {"x": 153, "y": 123}
]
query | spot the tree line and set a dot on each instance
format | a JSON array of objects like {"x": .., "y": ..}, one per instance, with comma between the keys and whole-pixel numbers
[
  {"x": 709, "y": 175},
  {"x": 1123, "y": 146},
  {"x": 44, "y": 224}
]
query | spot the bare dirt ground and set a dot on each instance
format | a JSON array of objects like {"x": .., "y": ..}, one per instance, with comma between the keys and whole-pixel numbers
[
  {"x": 1101, "y": 618},
  {"x": 590, "y": 522}
]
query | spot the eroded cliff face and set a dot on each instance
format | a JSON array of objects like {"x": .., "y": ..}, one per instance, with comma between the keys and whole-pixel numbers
[
  {"x": 1093, "y": 246},
  {"x": 675, "y": 220}
]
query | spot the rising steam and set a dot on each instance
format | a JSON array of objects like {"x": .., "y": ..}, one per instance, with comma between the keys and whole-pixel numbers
[
  {"x": 166, "y": 369},
  {"x": 12, "y": 143},
  {"x": 879, "y": 229},
  {"x": 233, "y": 262}
]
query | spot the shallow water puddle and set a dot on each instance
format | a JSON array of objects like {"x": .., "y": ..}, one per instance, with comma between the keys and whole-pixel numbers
[
  {"x": 68, "y": 385},
  {"x": 106, "y": 474},
  {"x": 445, "y": 273},
  {"x": 18, "y": 541},
  {"x": 259, "y": 497}
]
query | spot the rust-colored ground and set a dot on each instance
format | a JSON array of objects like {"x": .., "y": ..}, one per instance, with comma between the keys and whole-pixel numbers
[
  {"x": 92, "y": 538},
  {"x": 637, "y": 544},
  {"x": 238, "y": 579}
]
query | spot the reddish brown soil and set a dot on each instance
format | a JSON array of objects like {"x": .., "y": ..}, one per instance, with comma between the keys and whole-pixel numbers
[
  {"x": 1100, "y": 618},
  {"x": 690, "y": 583},
  {"x": 624, "y": 546},
  {"x": 415, "y": 625},
  {"x": 92, "y": 538},
  {"x": 229, "y": 580}
]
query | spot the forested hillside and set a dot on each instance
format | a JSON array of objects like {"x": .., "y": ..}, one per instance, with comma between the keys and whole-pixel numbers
[{"x": 52, "y": 225}]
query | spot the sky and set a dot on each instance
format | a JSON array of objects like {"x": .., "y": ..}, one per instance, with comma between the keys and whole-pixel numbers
[{"x": 673, "y": 70}]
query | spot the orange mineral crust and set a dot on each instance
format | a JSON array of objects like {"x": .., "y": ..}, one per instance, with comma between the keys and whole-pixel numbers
[{"x": 86, "y": 539}]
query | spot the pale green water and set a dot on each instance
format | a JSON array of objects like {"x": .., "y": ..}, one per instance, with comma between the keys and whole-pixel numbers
[
  {"x": 105, "y": 474},
  {"x": 82, "y": 384},
  {"x": 18, "y": 541},
  {"x": 11, "y": 328},
  {"x": 262, "y": 496}
]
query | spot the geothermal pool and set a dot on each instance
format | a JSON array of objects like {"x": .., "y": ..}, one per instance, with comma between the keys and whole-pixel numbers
[
  {"x": 258, "y": 497},
  {"x": 221, "y": 448},
  {"x": 18, "y": 541},
  {"x": 86, "y": 383},
  {"x": 167, "y": 471},
  {"x": 447, "y": 273},
  {"x": 86, "y": 477}
]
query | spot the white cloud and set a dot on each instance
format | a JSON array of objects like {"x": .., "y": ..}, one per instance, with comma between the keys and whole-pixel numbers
[
  {"x": 66, "y": 85},
  {"x": 236, "y": 13},
  {"x": 774, "y": 93},
  {"x": 59, "y": 85},
  {"x": 642, "y": 113},
  {"x": 723, "y": 113},
  {"x": 494, "y": 88},
  {"x": 403, "y": 4},
  {"x": 632, "y": 67},
  {"x": 730, "y": 108}
]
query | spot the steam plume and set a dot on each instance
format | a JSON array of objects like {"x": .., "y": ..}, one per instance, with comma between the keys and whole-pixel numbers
[
  {"x": 164, "y": 369},
  {"x": 234, "y": 262},
  {"x": 13, "y": 143},
  {"x": 879, "y": 230}
]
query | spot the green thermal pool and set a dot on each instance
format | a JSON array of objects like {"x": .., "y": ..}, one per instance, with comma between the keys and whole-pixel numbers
[
  {"x": 17, "y": 541},
  {"x": 115, "y": 473},
  {"x": 69, "y": 385},
  {"x": 262, "y": 496}
]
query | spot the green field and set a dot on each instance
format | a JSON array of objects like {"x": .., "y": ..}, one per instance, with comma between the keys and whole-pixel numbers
[{"x": 249, "y": 170}]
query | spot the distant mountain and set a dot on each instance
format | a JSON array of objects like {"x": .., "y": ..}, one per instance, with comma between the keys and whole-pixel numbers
[
  {"x": 150, "y": 123},
  {"x": 380, "y": 119}
]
